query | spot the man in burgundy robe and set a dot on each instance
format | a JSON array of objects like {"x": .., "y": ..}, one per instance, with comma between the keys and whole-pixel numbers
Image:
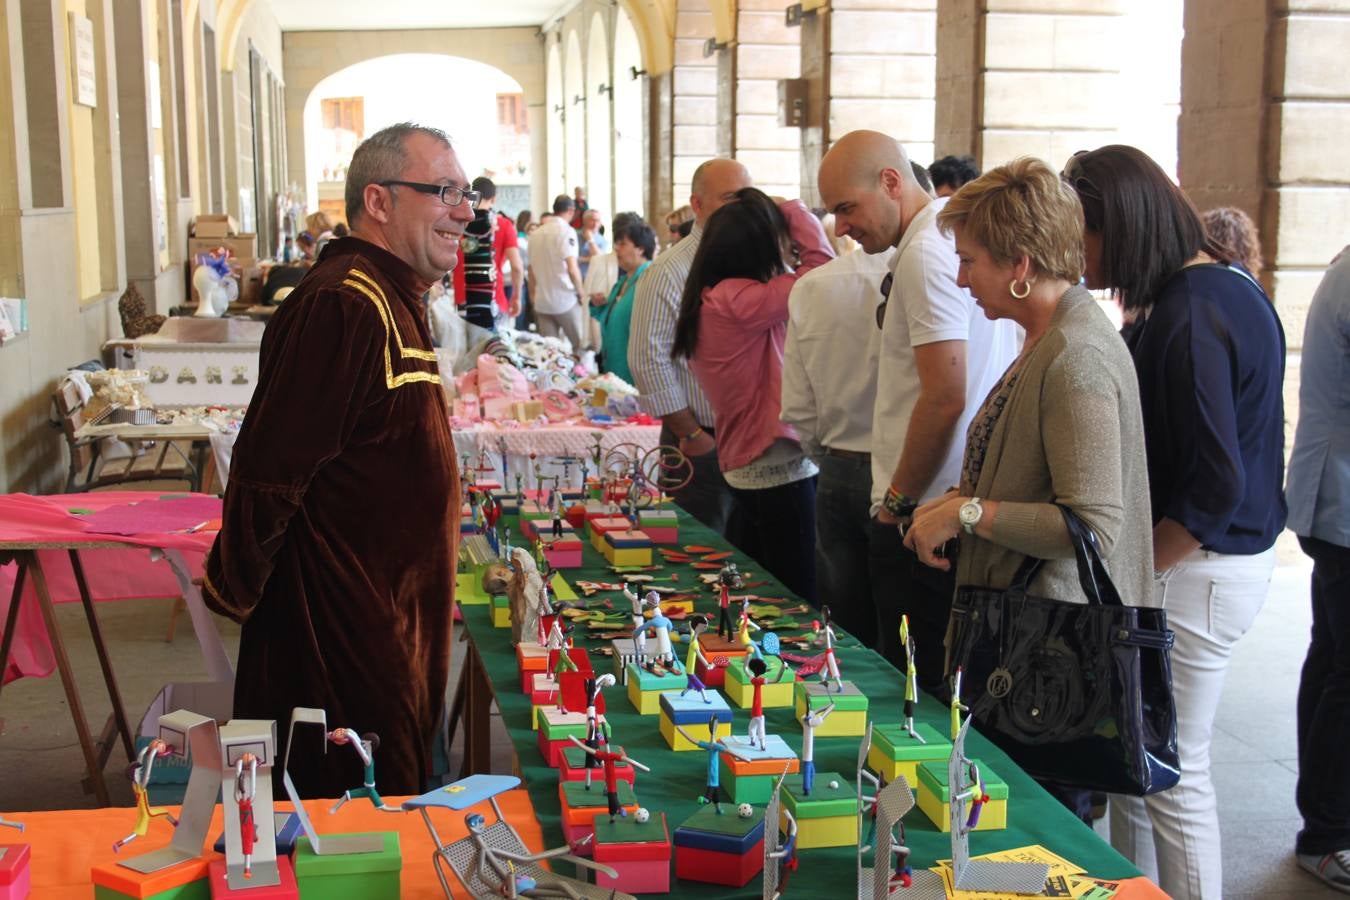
[{"x": 337, "y": 551}]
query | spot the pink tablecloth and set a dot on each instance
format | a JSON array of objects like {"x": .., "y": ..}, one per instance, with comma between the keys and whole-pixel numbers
[{"x": 113, "y": 574}]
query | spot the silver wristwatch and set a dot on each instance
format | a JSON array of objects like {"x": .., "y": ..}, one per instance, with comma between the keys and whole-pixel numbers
[{"x": 970, "y": 514}]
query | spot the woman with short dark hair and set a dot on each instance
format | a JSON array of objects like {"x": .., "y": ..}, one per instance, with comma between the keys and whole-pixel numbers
[
  {"x": 732, "y": 328},
  {"x": 634, "y": 247},
  {"x": 1209, "y": 354}
]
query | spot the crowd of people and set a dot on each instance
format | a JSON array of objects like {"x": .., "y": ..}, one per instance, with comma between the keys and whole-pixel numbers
[{"x": 875, "y": 421}]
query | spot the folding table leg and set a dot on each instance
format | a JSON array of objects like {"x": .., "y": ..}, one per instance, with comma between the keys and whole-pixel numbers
[
  {"x": 67, "y": 678},
  {"x": 477, "y": 716},
  {"x": 109, "y": 679},
  {"x": 12, "y": 619}
]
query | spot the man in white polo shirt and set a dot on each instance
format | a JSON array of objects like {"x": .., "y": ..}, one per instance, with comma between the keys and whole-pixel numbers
[
  {"x": 555, "y": 277},
  {"x": 939, "y": 358}
]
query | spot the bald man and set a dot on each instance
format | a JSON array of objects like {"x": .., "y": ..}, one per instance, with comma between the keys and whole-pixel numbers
[
  {"x": 668, "y": 389},
  {"x": 939, "y": 357}
]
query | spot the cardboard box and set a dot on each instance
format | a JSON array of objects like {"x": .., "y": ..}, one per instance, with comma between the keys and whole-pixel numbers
[
  {"x": 214, "y": 225},
  {"x": 242, "y": 246}
]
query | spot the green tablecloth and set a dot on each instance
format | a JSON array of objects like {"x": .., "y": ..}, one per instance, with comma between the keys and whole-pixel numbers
[{"x": 678, "y": 779}]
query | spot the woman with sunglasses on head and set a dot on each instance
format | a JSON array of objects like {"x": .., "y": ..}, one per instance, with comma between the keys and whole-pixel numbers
[
  {"x": 1209, "y": 353},
  {"x": 732, "y": 328},
  {"x": 1061, "y": 427}
]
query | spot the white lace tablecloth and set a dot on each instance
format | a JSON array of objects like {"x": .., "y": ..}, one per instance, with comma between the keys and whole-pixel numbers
[
  {"x": 484, "y": 441},
  {"x": 547, "y": 443}
]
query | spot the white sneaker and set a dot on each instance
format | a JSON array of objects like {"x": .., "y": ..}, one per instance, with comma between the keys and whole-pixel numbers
[{"x": 1333, "y": 869}]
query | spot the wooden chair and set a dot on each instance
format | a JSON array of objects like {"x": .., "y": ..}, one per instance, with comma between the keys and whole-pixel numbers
[{"x": 89, "y": 469}]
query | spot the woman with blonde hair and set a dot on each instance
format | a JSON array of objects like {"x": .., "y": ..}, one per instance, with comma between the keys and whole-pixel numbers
[{"x": 1061, "y": 428}]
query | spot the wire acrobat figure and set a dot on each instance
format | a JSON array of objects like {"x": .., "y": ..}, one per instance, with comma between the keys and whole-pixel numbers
[
  {"x": 911, "y": 679},
  {"x": 728, "y": 578},
  {"x": 365, "y": 746},
  {"x": 140, "y": 787},
  {"x": 245, "y": 788},
  {"x": 831, "y": 667}
]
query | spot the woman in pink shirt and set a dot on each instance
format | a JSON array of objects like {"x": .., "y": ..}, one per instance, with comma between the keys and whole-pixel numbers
[{"x": 732, "y": 327}]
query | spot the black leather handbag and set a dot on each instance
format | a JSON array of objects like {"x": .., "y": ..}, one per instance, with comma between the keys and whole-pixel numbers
[{"x": 1077, "y": 693}]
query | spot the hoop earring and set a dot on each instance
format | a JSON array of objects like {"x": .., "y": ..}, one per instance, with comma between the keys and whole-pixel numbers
[{"x": 1026, "y": 290}]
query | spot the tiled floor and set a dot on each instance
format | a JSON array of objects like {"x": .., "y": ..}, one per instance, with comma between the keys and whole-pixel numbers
[{"x": 1254, "y": 748}]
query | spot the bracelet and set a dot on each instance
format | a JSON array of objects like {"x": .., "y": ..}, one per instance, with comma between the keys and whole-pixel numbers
[
  {"x": 898, "y": 504},
  {"x": 698, "y": 429}
]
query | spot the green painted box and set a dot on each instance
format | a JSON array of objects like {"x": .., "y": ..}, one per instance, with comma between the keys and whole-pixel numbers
[
  {"x": 370, "y": 876},
  {"x": 894, "y": 753}
]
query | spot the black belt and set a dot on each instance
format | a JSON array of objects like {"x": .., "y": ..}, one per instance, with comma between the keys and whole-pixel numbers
[{"x": 856, "y": 455}]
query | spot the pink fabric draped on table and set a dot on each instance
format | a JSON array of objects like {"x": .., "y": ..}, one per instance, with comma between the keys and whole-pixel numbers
[{"x": 114, "y": 574}]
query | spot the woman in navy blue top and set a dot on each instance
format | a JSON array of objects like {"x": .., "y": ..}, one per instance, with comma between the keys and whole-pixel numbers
[{"x": 1209, "y": 354}]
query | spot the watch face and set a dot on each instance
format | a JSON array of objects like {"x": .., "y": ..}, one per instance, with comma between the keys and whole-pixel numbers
[{"x": 970, "y": 513}]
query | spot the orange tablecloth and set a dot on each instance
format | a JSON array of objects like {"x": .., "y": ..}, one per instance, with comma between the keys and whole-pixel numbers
[{"x": 66, "y": 844}]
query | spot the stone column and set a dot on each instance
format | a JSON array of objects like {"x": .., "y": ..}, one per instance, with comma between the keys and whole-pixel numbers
[
  {"x": 694, "y": 97},
  {"x": 1027, "y": 77},
  {"x": 660, "y": 149},
  {"x": 766, "y": 50},
  {"x": 868, "y": 64}
]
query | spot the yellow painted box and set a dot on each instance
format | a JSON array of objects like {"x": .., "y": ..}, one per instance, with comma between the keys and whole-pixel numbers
[
  {"x": 933, "y": 797},
  {"x": 627, "y": 548},
  {"x": 894, "y": 753},
  {"x": 694, "y": 716},
  {"x": 501, "y": 612},
  {"x": 775, "y": 694},
  {"x": 645, "y": 688},
  {"x": 849, "y": 718},
  {"x": 826, "y": 818},
  {"x": 469, "y": 589},
  {"x": 677, "y": 741}
]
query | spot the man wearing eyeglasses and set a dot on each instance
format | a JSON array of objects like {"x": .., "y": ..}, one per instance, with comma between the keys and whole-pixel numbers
[
  {"x": 336, "y": 551},
  {"x": 939, "y": 357}
]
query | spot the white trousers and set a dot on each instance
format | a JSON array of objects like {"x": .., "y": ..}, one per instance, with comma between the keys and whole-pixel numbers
[
  {"x": 1173, "y": 836},
  {"x": 756, "y": 734}
]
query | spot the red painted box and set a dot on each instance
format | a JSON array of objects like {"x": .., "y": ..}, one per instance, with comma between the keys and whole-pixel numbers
[
  {"x": 638, "y": 851},
  {"x": 15, "y": 876}
]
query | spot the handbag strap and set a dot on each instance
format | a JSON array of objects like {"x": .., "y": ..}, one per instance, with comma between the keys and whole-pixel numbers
[{"x": 1096, "y": 583}]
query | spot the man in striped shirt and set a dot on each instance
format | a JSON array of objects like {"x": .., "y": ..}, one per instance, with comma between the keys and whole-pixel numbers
[{"x": 668, "y": 389}]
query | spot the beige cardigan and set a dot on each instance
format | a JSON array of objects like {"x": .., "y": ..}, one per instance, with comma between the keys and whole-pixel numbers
[{"x": 1071, "y": 433}]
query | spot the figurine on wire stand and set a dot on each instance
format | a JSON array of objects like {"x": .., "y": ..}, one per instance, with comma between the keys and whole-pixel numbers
[
  {"x": 830, "y": 670},
  {"x": 245, "y": 789},
  {"x": 555, "y": 508},
  {"x": 365, "y": 746},
  {"x": 757, "y": 668},
  {"x": 520, "y": 490},
  {"x": 140, "y": 787},
  {"x": 501, "y": 451},
  {"x": 811, "y": 720},
  {"x": 713, "y": 792},
  {"x": 661, "y": 627},
  {"x": 743, "y": 626},
  {"x": 728, "y": 579},
  {"x": 699, "y": 626},
  {"x": 597, "y": 727},
  {"x": 911, "y": 679},
  {"x": 639, "y": 627},
  {"x": 957, "y": 706},
  {"x": 608, "y": 758}
]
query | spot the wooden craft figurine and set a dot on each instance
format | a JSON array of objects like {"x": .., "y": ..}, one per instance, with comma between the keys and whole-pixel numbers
[
  {"x": 523, "y": 594},
  {"x": 140, "y": 787},
  {"x": 661, "y": 626},
  {"x": 825, "y": 634}
]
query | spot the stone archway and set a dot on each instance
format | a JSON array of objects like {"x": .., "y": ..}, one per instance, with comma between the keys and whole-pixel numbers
[
  {"x": 311, "y": 56},
  {"x": 628, "y": 121}
]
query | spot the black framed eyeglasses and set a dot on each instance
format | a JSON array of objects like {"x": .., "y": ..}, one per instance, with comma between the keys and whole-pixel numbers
[
  {"x": 885, "y": 298},
  {"x": 450, "y": 194}
]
